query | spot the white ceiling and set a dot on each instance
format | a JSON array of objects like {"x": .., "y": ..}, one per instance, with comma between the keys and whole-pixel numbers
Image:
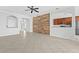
[{"x": 42, "y": 9}]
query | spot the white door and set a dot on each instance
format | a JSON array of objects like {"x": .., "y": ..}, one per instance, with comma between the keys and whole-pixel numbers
[{"x": 25, "y": 25}]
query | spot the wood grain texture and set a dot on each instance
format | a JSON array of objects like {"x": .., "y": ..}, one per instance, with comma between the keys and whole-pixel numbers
[
  {"x": 41, "y": 24},
  {"x": 59, "y": 21}
]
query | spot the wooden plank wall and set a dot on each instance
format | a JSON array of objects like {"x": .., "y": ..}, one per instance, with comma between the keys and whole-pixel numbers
[
  {"x": 41, "y": 24},
  {"x": 67, "y": 20}
]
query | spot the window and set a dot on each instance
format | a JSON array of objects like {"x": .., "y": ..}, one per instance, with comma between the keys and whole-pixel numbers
[{"x": 12, "y": 22}]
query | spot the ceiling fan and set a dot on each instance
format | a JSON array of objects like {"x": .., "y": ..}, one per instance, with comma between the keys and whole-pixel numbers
[{"x": 32, "y": 9}]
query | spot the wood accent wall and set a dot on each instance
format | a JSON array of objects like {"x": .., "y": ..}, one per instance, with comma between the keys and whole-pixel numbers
[
  {"x": 77, "y": 18},
  {"x": 67, "y": 20},
  {"x": 58, "y": 21},
  {"x": 77, "y": 25},
  {"x": 41, "y": 24}
]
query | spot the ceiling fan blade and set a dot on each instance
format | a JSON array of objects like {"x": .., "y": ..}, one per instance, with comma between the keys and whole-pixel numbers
[
  {"x": 31, "y": 11},
  {"x": 37, "y": 11},
  {"x": 36, "y": 8}
]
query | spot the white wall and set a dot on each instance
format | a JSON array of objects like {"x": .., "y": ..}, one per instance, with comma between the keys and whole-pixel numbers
[
  {"x": 62, "y": 32},
  {"x": 3, "y": 23},
  {"x": 4, "y": 31}
]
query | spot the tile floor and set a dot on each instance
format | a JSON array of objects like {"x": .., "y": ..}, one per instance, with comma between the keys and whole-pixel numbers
[{"x": 37, "y": 43}]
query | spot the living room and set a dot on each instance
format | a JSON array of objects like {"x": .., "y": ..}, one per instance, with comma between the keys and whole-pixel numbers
[{"x": 39, "y": 29}]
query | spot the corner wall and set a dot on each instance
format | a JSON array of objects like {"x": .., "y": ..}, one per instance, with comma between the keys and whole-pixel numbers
[{"x": 4, "y": 31}]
